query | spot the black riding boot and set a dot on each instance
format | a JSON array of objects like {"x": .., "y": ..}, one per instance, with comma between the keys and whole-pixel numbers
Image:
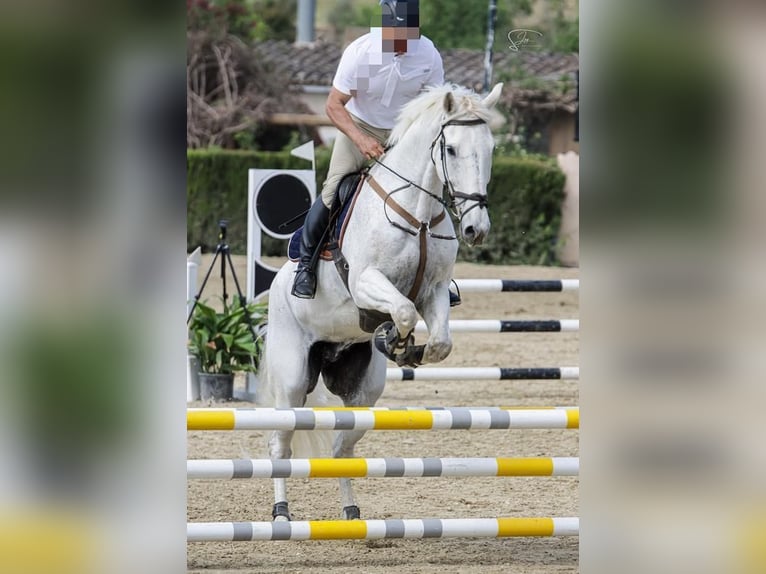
[{"x": 317, "y": 219}]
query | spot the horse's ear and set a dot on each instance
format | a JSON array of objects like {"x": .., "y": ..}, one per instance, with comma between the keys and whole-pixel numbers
[
  {"x": 449, "y": 102},
  {"x": 493, "y": 96}
]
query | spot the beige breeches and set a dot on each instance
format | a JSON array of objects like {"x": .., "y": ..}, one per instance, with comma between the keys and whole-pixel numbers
[{"x": 347, "y": 158}]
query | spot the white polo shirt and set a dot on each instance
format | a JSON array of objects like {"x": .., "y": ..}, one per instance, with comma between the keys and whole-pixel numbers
[{"x": 380, "y": 83}]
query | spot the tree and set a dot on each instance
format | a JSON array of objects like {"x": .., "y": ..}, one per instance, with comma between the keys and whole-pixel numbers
[
  {"x": 455, "y": 23},
  {"x": 245, "y": 19},
  {"x": 230, "y": 93}
]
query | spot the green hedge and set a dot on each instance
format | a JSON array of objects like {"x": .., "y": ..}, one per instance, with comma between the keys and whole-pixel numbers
[
  {"x": 525, "y": 198},
  {"x": 525, "y": 204}
]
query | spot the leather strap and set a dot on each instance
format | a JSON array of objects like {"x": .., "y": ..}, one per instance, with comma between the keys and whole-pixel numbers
[
  {"x": 422, "y": 226},
  {"x": 421, "y": 264},
  {"x": 400, "y": 210},
  {"x": 403, "y": 213}
]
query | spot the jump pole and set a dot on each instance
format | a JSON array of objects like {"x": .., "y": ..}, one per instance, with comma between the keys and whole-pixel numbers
[
  {"x": 523, "y": 285},
  {"x": 481, "y": 373},
  {"x": 503, "y": 326},
  {"x": 374, "y": 418},
  {"x": 381, "y": 467},
  {"x": 377, "y": 529}
]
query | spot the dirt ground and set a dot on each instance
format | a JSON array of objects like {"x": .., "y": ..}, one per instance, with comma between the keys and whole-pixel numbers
[{"x": 318, "y": 499}]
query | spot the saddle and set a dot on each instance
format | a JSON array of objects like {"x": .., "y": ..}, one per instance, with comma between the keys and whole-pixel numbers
[{"x": 348, "y": 188}]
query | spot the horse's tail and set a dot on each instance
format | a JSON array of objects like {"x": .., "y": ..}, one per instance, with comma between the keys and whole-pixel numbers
[{"x": 305, "y": 444}]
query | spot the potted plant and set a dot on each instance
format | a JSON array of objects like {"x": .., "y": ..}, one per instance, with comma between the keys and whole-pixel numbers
[{"x": 223, "y": 343}]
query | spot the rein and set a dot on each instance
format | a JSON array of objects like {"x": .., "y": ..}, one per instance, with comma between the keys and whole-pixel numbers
[
  {"x": 422, "y": 229},
  {"x": 448, "y": 187}
]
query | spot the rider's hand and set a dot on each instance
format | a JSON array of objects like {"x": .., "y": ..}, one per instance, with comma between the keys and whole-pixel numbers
[{"x": 369, "y": 146}]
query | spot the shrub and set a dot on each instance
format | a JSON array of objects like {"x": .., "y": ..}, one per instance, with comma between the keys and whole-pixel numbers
[{"x": 525, "y": 196}]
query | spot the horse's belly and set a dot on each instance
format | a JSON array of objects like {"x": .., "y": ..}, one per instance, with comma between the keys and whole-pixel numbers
[
  {"x": 332, "y": 323},
  {"x": 332, "y": 315}
]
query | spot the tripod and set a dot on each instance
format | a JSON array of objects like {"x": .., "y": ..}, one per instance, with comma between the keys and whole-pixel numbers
[{"x": 222, "y": 250}]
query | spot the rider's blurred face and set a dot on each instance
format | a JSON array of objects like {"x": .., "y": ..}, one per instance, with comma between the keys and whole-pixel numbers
[{"x": 395, "y": 38}]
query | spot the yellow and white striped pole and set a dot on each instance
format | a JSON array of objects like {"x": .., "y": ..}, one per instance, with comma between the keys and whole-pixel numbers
[
  {"x": 376, "y": 529},
  {"x": 377, "y": 418},
  {"x": 381, "y": 467}
]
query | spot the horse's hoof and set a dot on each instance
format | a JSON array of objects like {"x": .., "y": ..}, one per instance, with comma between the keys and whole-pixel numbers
[
  {"x": 386, "y": 339},
  {"x": 351, "y": 512},
  {"x": 280, "y": 512},
  {"x": 411, "y": 357}
]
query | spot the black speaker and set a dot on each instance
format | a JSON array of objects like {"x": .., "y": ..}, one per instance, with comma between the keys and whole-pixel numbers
[{"x": 277, "y": 199}]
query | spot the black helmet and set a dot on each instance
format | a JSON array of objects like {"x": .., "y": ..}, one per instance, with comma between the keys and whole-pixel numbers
[{"x": 400, "y": 13}]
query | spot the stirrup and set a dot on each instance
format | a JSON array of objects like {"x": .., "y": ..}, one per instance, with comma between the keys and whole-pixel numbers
[{"x": 454, "y": 296}]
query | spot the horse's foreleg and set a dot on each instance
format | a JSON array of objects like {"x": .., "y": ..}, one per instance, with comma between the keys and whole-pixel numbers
[
  {"x": 436, "y": 316},
  {"x": 373, "y": 290}
]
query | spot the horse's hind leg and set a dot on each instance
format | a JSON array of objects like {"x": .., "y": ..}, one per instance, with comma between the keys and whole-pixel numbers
[
  {"x": 279, "y": 447},
  {"x": 358, "y": 378}
]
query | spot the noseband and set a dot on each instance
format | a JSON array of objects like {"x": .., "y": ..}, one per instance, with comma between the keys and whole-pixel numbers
[{"x": 448, "y": 187}]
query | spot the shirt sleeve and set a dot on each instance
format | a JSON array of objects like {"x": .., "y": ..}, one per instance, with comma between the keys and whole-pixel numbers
[
  {"x": 437, "y": 71},
  {"x": 346, "y": 74}
]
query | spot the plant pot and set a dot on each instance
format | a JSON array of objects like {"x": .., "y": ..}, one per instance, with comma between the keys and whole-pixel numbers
[{"x": 216, "y": 386}]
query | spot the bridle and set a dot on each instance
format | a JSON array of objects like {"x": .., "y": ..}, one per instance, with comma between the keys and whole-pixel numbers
[{"x": 448, "y": 187}]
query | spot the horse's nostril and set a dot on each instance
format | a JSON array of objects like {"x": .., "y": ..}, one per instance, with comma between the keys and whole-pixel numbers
[{"x": 469, "y": 231}]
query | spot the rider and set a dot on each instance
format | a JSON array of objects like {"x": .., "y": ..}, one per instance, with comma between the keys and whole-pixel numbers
[{"x": 377, "y": 75}]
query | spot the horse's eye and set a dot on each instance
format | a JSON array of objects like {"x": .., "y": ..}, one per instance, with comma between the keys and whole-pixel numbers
[{"x": 450, "y": 150}]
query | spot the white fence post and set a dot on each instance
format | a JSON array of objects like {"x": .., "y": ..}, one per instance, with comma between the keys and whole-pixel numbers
[{"x": 192, "y": 266}]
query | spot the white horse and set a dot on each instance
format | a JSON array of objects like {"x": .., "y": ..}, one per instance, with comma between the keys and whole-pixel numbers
[{"x": 400, "y": 251}]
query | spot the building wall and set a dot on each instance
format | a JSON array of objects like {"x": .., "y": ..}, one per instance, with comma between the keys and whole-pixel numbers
[
  {"x": 561, "y": 133},
  {"x": 316, "y": 101}
]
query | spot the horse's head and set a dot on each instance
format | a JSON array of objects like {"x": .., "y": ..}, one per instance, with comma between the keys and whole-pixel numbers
[{"x": 462, "y": 155}]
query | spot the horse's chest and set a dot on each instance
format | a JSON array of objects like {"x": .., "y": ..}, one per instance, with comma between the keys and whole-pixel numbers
[{"x": 373, "y": 241}]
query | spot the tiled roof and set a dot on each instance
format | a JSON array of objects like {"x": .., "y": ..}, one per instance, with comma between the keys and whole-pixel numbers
[
  {"x": 315, "y": 65},
  {"x": 312, "y": 65}
]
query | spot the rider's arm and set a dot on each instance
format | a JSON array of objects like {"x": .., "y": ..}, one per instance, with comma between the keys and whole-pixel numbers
[{"x": 336, "y": 111}]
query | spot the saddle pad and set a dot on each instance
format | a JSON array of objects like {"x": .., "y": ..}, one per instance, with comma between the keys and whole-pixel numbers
[{"x": 347, "y": 191}]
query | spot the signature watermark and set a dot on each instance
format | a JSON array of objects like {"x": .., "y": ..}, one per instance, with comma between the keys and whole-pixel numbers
[{"x": 523, "y": 39}]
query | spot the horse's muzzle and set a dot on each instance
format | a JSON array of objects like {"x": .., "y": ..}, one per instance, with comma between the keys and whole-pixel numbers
[{"x": 475, "y": 234}]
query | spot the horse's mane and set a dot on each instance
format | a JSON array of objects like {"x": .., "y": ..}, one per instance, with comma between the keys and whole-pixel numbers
[{"x": 428, "y": 108}]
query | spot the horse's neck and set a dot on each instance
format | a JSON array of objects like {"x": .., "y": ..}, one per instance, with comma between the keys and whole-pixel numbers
[{"x": 412, "y": 160}]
